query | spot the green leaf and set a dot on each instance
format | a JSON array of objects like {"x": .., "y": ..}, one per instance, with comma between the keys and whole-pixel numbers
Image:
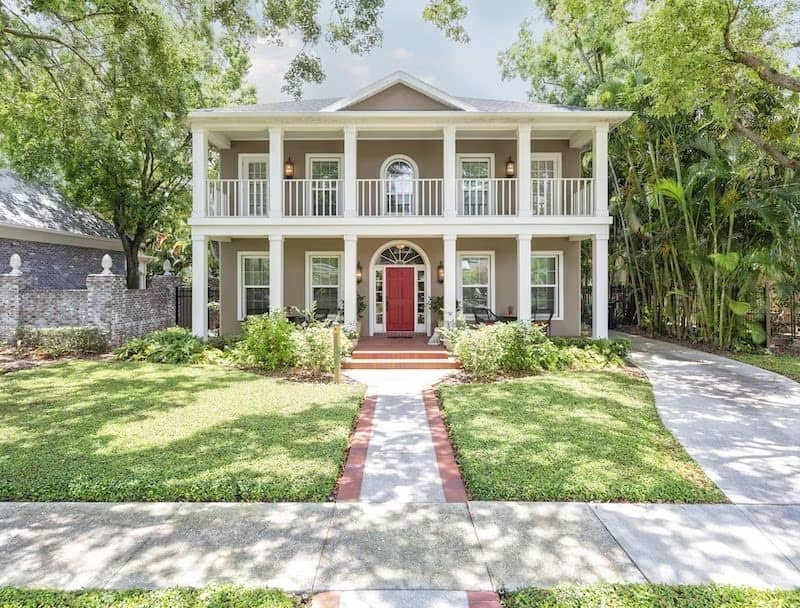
[
  {"x": 739, "y": 308},
  {"x": 725, "y": 261}
]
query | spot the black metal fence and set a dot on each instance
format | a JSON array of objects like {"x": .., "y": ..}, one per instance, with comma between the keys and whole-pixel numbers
[{"x": 183, "y": 307}]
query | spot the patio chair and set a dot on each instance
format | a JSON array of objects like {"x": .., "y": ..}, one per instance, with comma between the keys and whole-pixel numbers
[
  {"x": 321, "y": 314},
  {"x": 542, "y": 324},
  {"x": 483, "y": 316}
]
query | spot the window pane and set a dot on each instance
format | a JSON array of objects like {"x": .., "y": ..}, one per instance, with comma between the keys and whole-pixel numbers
[
  {"x": 257, "y": 169},
  {"x": 325, "y": 169},
  {"x": 325, "y": 271},
  {"x": 475, "y": 169},
  {"x": 543, "y": 300},
  {"x": 475, "y": 297},
  {"x": 542, "y": 169},
  {"x": 256, "y": 271},
  {"x": 399, "y": 169},
  {"x": 326, "y": 298},
  {"x": 543, "y": 270},
  {"x": 475, "y": 270},
  {"x": 256, "y": 300}
]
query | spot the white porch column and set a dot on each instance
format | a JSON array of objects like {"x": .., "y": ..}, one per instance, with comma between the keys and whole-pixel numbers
[
  {"x": 350, "y": 171},
  {"x": 524, "y": 170},
  {"x": 349, "y": 282},
  {"x": 199, "y": 171},
  {"x": 524, "y": 277},
  {"x": 450, "y": 280},
  {"x": 275, "y": 272},
  {"x": 275, "y": 172},
  {"x": 449, "y": 171},
  {"x": 600, "y": 169},
  {"x": 600, "y": 286},
  {"x": 199, "y": 286}
]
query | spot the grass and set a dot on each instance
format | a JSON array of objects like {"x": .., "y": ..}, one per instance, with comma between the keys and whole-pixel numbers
[
  {"x": 577, "y": 435},
  {"x": 211, "y": 597},
  {"x": 103, "y": 431},
  {"x": 786, "y": 365},
  {"x": 653, "y": 596}
]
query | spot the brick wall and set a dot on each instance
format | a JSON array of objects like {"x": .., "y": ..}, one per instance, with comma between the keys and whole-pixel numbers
[
  {"x": 105, "y": 303},
  {"x": 56, "y": 266}
]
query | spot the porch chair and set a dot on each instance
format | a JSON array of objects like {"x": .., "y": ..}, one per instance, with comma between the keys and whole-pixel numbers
[
  {"x": 543, "y": 325},
  {"x": 483, "y": 316},
  {"x": 321, "y": 314}
]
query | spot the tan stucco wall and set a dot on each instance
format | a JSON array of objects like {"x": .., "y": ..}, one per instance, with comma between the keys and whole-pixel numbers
[
  {"x": 427, "y": 154},
  {"x": 399, "y": 97},
  {"x": 505, "y": 251}
]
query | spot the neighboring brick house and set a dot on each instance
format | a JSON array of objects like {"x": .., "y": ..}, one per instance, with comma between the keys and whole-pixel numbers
[{"x": 58, "y": 242}]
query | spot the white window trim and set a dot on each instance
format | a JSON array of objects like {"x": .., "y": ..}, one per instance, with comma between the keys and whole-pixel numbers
[
  {"x": 312, "y": 156},
  {"x": 308, "y": 288},
  {"x": 240, "y": 255},
  {"x": 246, "y": 157},
  {"x": 460, "y": 255},
  {"x": 476, "y": 156},
  {"x": 559, "y": 255},
  {"x": 554, "y": 156}
]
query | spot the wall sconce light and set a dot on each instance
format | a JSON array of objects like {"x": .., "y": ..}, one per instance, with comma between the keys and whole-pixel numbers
[
  {"x": 440, "y": 273},
  {"x": 288, "y": 169},
  {"x": 511, "y": 167},
  {"x": 359, "y": 273}
]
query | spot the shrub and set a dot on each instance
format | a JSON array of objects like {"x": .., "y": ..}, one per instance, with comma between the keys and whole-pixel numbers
[
  {"x": 59, "y": 341},
  {"x": 598, "y": 352},
  {"x": 266, "y": 343},
  {"x": 172, "y": 345},
  {"x": 313, "y": 347}
]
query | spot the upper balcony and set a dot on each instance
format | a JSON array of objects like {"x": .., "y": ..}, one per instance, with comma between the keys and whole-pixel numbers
[{"x": 400, "y": 197}]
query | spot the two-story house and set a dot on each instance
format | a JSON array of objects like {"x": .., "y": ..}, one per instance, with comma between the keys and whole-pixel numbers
[{"x": 371, "y": 204}]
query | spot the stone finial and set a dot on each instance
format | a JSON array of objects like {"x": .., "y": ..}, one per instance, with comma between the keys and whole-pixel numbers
[
  {"x": 16, "y": 264},
  {"x": 106, "y": 263},
  {"x": 167, "y": 267}
]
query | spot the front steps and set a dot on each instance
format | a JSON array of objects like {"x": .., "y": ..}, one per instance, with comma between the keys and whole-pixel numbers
[{"x": 401, "y": 359}]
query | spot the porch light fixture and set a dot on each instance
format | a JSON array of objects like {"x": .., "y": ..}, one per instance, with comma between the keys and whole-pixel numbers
[
  {"x": 440, "y": 273},
  {"x": 511, "y": 167},
  {"x": 288, "y": 169},
  {"x": 359, "y": 273}
]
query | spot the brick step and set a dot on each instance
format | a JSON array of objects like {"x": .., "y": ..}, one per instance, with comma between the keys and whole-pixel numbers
[
  {"x": 383, "y": 363},
  {"x": 399, "y": 354}
]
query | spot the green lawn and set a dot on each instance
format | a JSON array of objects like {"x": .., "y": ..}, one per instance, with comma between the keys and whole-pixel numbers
[
  {"x": 786, "y": 365},
  {"x": 89, "y": 430},
  {"x": 653, "y": 596},
  {"x": 577, "y": 435},
  {"x": 211, "y": 597}
]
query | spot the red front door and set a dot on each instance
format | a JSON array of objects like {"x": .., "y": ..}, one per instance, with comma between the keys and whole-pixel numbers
[{"x": 399, "y": 299}]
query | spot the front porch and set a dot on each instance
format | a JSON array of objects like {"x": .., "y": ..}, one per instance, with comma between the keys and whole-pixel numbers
[{"x": 405, "y": 285}]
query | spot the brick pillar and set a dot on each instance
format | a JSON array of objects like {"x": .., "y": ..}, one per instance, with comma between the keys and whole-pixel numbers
[
  {"x": 169, "y": 283},
  {"x": 11, "y": 288},
  {"x": 105, "y": 295}
]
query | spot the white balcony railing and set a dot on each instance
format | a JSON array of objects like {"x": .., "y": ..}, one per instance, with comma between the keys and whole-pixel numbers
[
  {"x": 567, "y": 196},
  {"x": 486, "y": 196},
  {"x": 237, "y": 198},
  {"x": 313, "y": 197},
  {"x": 400, "y": 197}
]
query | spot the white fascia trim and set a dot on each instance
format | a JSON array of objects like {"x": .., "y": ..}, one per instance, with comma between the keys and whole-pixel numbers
[
  {"x": 57, "y": 237},
  {"x": 559, "y": 255},
  {"x": 240, "y": 255},
  {"x": 403, "y": 78},
  {"x": 307, "y": 281}
]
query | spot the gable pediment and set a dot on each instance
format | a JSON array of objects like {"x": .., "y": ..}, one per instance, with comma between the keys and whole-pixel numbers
[{"x": 399, "y": 97}]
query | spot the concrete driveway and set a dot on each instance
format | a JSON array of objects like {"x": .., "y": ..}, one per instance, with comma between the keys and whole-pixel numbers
[{"x": 741, "y": 423}]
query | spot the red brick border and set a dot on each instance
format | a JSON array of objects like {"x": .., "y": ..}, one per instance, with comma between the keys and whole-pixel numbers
[
  {"x": 349, "y": 486},
  {"x": 482, "y": 599},
  {"x": 326, "y": 599},
  {"x": 453, "y": 485}
]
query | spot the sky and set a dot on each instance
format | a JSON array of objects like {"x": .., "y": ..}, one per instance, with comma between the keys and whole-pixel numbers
[{"x": 415, "y": 46}]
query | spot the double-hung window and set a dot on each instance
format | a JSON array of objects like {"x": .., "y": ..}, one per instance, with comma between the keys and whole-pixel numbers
[
  {"x": 545, "y": 285},
  {"x": 253, "y": 284},
  {"x": 476, "y": 277},
  {"x": 475, "y": 172},
  {"x": 324, "y": 272},
  {"x": 325, "y": 174}
]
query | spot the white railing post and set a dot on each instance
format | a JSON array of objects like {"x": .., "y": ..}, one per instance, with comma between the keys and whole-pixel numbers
[
  {"x": 199, "y": 171},
  {"x": 350, "y": 171},
  {"x": 524, "y": 277},
  {"x": 449, "y": 171},
  {"x": 450, "y": 279},
  {"x": 600, "y": 169},
  {"x": 275, "y": 172},
  {"x": 275, "y": 272},
  {"x": 199, "y": 286},
  {"x": 524, "y": 170},
  {"x": 600, "y": 286},
  {"x": 350, "y": 282}
]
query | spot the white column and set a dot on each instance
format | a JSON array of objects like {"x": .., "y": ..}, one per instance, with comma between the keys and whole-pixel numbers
[
  {"x": 524, "y": 169},
  {"x": 275, "y": 172},
  {"x": 349, "y": 282},
  {"x": 350, "y": 171},
  {"x": 199, "y": 286},
  {"x": 450, "y": 280},
  {"x": 524, "y": 277},
  {"x": 199, "y": 171},
  {"x": 600, "y": 169},
  {"x": 275, "y": 272},
  {"x": 449, "y": 171},
  {"x": 600, "y": 286}
]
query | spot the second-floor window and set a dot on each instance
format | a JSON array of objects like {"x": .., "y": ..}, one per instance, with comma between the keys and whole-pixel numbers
[
  {"x": 399, "y": 175},
  {"x": 253, "y": 174},
  {"x": 325, "y": 173},
  {"x": 474, "y": 173},
  {"x": 545, "y": 171}
]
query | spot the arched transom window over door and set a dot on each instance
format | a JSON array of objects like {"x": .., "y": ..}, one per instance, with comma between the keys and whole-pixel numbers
[{"x": 399, "y": 174}]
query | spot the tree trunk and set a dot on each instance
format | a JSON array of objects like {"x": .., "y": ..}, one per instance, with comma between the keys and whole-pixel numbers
[{"x": 131, "y": 250}]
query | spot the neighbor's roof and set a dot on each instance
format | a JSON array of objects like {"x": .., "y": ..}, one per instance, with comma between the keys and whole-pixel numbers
[{"x": 25, "y": 204}]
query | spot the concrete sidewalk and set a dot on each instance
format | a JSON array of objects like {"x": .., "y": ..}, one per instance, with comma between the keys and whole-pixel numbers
[
  {"x": 476, "y": 546},
  {"x": 739, "y": 422}
]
